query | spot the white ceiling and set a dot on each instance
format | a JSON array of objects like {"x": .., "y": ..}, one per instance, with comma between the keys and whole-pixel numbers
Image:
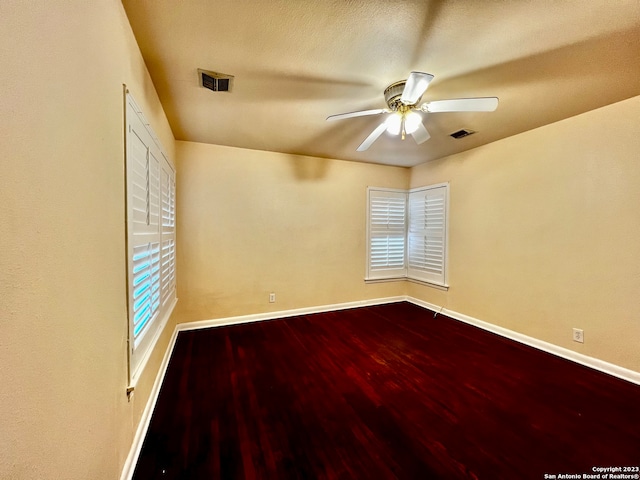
[{"x": 296, "y": 62}]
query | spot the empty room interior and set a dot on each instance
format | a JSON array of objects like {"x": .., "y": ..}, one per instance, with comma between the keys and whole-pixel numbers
[{"x": 319, "y": 239}]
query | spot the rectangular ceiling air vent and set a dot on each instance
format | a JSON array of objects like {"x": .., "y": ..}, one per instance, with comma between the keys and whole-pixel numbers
[
  {"x": 462, "y": 133},
  {"x": 216, "y": 82}
]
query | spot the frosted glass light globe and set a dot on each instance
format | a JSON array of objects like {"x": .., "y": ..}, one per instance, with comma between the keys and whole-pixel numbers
[
  {"x": 393, "y": 124},
  {"x": 411, "y": 122}
]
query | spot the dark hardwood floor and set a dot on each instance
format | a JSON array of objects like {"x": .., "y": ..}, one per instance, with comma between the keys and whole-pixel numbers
[{"x": 381, "y": 392}]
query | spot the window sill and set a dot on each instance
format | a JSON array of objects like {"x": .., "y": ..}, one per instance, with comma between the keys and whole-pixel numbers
[
  {"x": 409, "y": 279},
  {"x": 383, "y": 280},
  {"x": 428, "y": 284}
]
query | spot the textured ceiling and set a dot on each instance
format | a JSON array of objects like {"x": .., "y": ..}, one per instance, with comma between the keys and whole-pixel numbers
[{"x": 296, "y": 62}]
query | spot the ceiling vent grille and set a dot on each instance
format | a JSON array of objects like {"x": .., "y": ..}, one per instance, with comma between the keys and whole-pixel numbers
[
  {"x": 216, "y": 82},
  {"x": 462, "y": 133}
]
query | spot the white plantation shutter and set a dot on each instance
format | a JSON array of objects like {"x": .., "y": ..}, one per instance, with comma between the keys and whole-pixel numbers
[
  {"x": 138, "y": 181},
  {"x": 168, "y": 198},
  {"x": 426, "y": 237},
  {"x": 386, "y": 233},
  {"x": 146, "y": 288},
  {"x": 154, "y": 190},
  {"x": 168, "y": 252},
  {"x": 151, "y": 237},
  {"x": 168, "y": 271}
]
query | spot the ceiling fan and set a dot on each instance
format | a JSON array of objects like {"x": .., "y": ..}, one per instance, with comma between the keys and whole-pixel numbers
[{"x": 402, "y": 99}]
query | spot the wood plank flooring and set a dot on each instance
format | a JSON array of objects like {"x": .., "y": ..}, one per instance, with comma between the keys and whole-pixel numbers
[{"x": 381, "y": 392}]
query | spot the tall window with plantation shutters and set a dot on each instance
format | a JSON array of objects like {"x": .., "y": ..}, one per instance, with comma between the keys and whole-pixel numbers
[
  {"x": 407, "y": 234},
  {"x": 150, "y": 237},
  {"x": 387, "y": 214}
]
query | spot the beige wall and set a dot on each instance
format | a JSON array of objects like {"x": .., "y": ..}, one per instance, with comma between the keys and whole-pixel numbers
[
  {"x": 253, "y": 222},
  {"x": 544, "y": 232},
  {"x": 63, "y": 321}
]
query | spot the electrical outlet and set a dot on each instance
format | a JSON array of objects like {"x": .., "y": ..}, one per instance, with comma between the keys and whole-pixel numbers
[
  {"x": 272, "y": 297},
  {"x": 578, "y": 335}
]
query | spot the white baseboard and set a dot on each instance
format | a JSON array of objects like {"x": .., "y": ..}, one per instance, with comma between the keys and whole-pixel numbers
[
  {"x": 258, "y": 317},
  {"x": 141, "y": 432},
  {"x": 596, "y": 364}
]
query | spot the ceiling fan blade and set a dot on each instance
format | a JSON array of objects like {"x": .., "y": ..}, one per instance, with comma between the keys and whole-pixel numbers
[
  {"x": 480, "y": 104},
  {"x": 372, "y": 137},
  {"x": 361, "y": 113},
  {"x": 415, "y": 87},
  {"x": 421, "y": 134}
]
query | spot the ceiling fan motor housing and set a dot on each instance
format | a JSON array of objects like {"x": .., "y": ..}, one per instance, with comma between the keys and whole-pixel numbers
[{"x": 393, "y": 93}]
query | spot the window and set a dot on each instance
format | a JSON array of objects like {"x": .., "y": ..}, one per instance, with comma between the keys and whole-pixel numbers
[
  {"x": 150, "y": 237},
  {"x": 407, "y": 234},
  {"x": 426, "y": 234},
  {"x": 386, "y": 240}
]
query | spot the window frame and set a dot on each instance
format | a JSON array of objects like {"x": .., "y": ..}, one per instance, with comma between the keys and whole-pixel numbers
[
  {"x": 150, "y": 233},
  {"x": 381, "y": 273},
  {"x": 414, "y": 275}
]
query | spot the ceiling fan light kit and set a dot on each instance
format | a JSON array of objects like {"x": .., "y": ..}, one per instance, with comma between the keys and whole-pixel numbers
[
  {"x": 402, "y": 98},
  {"x": 403, "y": 120}
]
